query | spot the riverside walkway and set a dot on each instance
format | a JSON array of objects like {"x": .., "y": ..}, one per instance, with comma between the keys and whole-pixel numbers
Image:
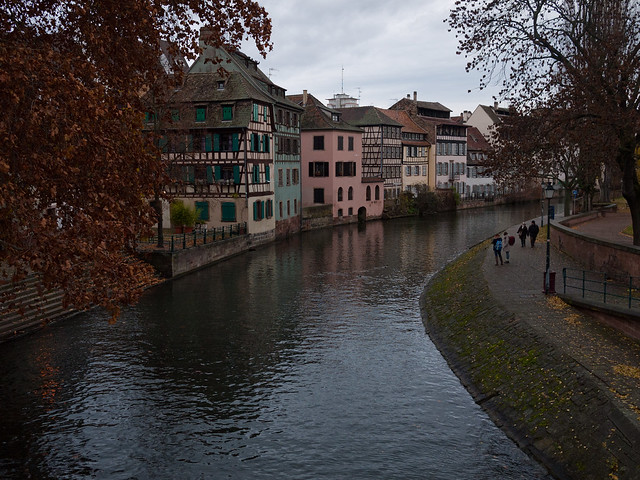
[{"x": 562, "y": 384}]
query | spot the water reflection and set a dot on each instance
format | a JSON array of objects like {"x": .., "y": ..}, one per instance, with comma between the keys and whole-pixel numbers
[{"x": 304, "y": 359}]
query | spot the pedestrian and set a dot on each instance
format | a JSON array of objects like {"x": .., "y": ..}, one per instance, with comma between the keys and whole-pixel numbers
[
  {"x": 497, "y": 247},
  {"x": 522, "y": 233},
  {"x": 506, "y": 247},
  {"x": 533, "y": 232}
]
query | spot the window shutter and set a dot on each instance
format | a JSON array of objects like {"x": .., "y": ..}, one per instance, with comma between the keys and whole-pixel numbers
[
  {"x": 217, "y": 170},
  {"x": 264, "y": 111},
  {"x": 162, "y": 144},
  {"x": 261, "y": 209},
  {"x": 189, "y": 143},
  {"x": 235, "y": 142},
  {"x": 228, "y": 212},
  {"x": 311, "y": 169},
  {"x": 266, "y": 143},
  {"x": 255, "y": 210},
  {"x": 256, "y": 174},
  {"x": 267, "y": 173},
  {"x": 192, "y": 173},
  {"x": 209, "y": 175},
  {"x": 202, "y": 209},
  {"x": 255, "y": 112},
  {"x": 207, "y": 143},
  {"x": 236, "y": 174},
  {"x": 216, "y": 142}
]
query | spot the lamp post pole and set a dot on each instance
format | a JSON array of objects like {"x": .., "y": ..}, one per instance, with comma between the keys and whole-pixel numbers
[{"x": 548, "y": 193}]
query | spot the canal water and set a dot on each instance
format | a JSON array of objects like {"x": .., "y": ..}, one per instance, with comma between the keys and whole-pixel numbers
[{"x": 305, "y": 359}]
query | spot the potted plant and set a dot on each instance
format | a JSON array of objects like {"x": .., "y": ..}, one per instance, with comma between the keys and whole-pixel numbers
[{"x": 183, "y": 217}]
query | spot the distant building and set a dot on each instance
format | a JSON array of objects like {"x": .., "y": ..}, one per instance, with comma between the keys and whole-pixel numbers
[
  {"x": 332, "y": 165},
  {"x": 485, "y": 118},
  {"x": 342, "y": 100},
  {"x": 381, "y": 146},
  {"x": 416, "y": 153},
  {"x": 480, "y": 183},
  {"x": 450, "y": 141}
]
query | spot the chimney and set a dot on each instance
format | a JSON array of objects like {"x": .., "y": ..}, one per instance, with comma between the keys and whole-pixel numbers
[
  {"x": 415, "y": 96},
  {"x": 304, "y": 98},
  {"x": 408, "y": 95},
  {"x": 466, "y": 115},
  {"x": 495, "y": 105}
]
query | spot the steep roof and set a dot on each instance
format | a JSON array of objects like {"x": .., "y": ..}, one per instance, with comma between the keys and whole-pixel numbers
[
  {"x": 219, "y": 60},
  {"x": 367, "y": 116},
  {"x": 317, "y": 116},
  {"x": 476, "y": 141},
  {"x": 408, "y": 125}
]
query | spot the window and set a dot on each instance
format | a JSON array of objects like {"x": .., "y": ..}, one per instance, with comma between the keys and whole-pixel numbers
[
  {"x": 258, "y": 210},
  {"x": 220, "y": 85},
  {"x": 255, "y": 116},
  {"x": 416, "y": 170},
  {"x": 424, "y": 170},
  {"x": 408, "y": 171},
  {"x": 228, "y": 212},
  {"x": 350, "y": 144},
  {"x": 319, "y": 169},
  {"x": 345, "y": 169},
  {"x": 368, "y": 192},
  {"x": 256, "y": 174},
  {"x": 339, "y": 213},
  {"x": 280, "y": 208},
  {"x": 340, "y": 194},
  {"x": 202, "y": 210},
  {"x": 288, "y": 208},
  {"x": 201, "y": 114},
  {"x": 149, "y": 117},
  {"x": 288, "y": 177},
  {"x": 280, "y": 178},
  {"x": 318, "y": 195},
  {"x": 295, "y": 206},
  {"x": 227, "y": 113},
  {"x": 296, "y": 176},
  {"x": 175, "y": 115},
  {"x": 340, "y": 143},
  {"x": 350, "y": 211},
  {"x": 318, "y": 142},
  {"x": 350, "y": 194},
  {"x": 377, "y": 192}
]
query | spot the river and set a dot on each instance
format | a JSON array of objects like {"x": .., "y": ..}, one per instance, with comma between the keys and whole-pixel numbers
[{"x": 303, "y": 359}]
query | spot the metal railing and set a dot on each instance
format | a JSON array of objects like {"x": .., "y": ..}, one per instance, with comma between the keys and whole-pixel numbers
[
  {"x": 599, "y": 287},
  {"x": 182, "y": 241}
]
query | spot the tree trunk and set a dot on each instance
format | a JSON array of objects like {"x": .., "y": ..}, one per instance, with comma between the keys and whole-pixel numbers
[
  {"x": 630, "y": 186},
  {"x": 157, "y": 206}
]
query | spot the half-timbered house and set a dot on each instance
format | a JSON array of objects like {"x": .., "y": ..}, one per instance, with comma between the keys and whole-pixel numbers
[
  {"x": 381, "y": 146},
  {"x": 220, "y": 131}
]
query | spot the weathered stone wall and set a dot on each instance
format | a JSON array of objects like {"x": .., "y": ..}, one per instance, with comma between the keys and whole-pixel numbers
[
  {"x": 180, "y": 262},
  {"x": 618, "y": 261}
]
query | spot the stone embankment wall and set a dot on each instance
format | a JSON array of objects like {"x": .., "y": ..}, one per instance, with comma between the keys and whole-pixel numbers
[
  {"x": 539, "y": 396},
  {"x": 617, "y": 261}
]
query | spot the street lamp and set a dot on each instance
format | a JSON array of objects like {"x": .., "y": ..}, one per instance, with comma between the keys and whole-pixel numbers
[{"x": 548, "y": 194}]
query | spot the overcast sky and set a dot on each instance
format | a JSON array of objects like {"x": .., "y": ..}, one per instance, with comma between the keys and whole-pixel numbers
[{"x": 388, "y": 49}]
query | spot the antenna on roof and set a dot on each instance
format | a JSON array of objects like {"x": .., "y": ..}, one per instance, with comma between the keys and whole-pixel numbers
[
  {"x": 342, "y": 81},
  {"x": 272, "y": 70}
]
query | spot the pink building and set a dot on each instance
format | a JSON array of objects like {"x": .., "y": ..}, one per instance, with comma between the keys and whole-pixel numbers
[{"x": 331, "y": 164}]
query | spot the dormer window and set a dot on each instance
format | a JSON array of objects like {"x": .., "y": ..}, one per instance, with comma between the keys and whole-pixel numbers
[
  {"x": 220, "y": 84},
  {"x": 335, "y": 117}
]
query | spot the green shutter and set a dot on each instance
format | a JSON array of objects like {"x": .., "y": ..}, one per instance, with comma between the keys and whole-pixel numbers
[
  {"x": 162, "y": 144},
  {"x": 192, "y": 173},
  {"x": 267, "y": 173},
  {"x": 228, "y": 212},
  {"x": 266, "y": 143},
  {"x": 175, "y": 115},
  {"x": 235, "y": 142},
  {"x": 201, "y": 114},
  {"x": 236, "y": 174},
  {"x": 264, "y": 111},
  {"x": 202, "y": 209},
  {"x": 207, "y": 142},
  {"x": 216, "y": 142},
  {"x": 256, "y": 174},
  {"x": 261, "y": 209},
  {"x": 189, "y": 143},
  {"x": 227, "y": 113},
  {"x": 255, "y": 112},
  {"x": 255, "y": 210},
  {"x": 209, "y": 175},
  {"x": 217, "y": 170}
]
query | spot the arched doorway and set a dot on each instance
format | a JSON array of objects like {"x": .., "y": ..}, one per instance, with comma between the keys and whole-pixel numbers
[{"x": 362, "y": 215}]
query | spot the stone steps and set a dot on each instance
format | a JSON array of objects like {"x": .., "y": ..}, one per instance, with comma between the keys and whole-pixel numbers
[{"x": 23, "y": 307}]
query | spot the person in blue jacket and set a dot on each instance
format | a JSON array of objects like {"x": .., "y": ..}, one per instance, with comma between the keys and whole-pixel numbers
[{"x": 497, "y": 247}]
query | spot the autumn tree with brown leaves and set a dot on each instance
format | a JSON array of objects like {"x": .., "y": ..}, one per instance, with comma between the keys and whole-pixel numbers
[
  {"x": 578, "y": 57},
  {"x": 76, "y": 172}
]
